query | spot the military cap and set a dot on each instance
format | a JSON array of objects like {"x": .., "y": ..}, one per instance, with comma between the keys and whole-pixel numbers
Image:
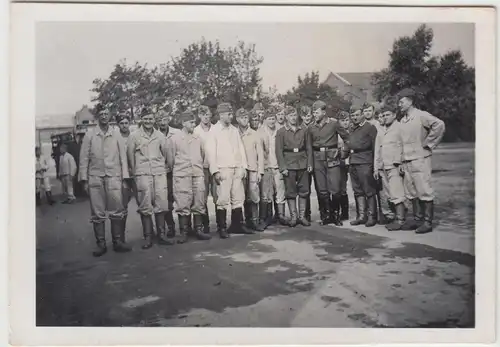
[
  {"x": 121, "y": 116},
  {"x": 319, "y": 104},
  {"x": 241, "y": 113},
  {"x": 203, "y": 109},
  {"x": 186, "y": 116},
  {"x": 406, "y": 93},
  {"x": 355, "y": 108},
  {"x": 254, "y": 115},
  {"x": 343, "y": 115},
  {"x": 290, "y": 110},
  {"x": 258, "y": 107},
  {"x": 145, "y": 111},
  {"x": 224, "y": 107}
]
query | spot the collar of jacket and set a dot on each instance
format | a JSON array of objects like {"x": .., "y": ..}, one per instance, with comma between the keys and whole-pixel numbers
[
  {"x": 409, "y": 115},
  {"x": 223, "y": 127},
  {"x": 289, "y": 127},
  {"x": 359, "y": 125},
  {"x": 154, "y": 134},
  {"x": 325, "y": 121},
  {"x": 109, "y": 132},
  {"x": 247, "y": 131}
]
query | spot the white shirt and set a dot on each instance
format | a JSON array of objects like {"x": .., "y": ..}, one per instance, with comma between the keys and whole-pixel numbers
[{"x": 224, "y": 148}]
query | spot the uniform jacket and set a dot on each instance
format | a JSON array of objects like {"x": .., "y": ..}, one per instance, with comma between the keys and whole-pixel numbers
[
  {"x": 147, "y": 154},
  {"x": 103, "y": 154},
  {"x": 324, "y": 139},
  {"x": 168, "y": 134},
  {"x": 254, "y": 150},
  {"x": 421, "y": 132},
  {"x": 67, "y": 165},
  {"x": 268, "y": 138},
  {"x": 185, "y": 155},
  {"x": 388, "y": 147},
  {"x": 293, "y": 148},
  {"x": 41, "y": 167},
  {"x": 203, "y": 135},
  {"x": 225, "y": 148},
  {"x": 361, "y": 143}
]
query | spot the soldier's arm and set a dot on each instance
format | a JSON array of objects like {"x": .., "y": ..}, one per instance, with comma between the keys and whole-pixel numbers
[
  {"x": 131, "y": 153},
  {"x": 84, "y": 158},
  {"x": 436, "y": 130},
  {"x": 243, "y": 153},
  {"x": 211, "y": 150},
  {"x": 170, "y": 153},
  {"x": 279, "y": 151},
  {"x": 123, "y": 158},
  {"x": 72, "y": 165},
  {"x": 309, "y": 150},
  {"x": 260, "y": 154}
]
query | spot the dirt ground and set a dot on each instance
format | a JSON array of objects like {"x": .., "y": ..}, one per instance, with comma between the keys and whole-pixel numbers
[{"x": 321, "y": 276}]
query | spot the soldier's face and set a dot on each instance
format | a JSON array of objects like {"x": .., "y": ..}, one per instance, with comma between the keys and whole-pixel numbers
[
  {"x": 319, "y": 114},
  {"x": 307, "y": 117},
  {"x": 163, "y": 123},
  {"x": 189, "y": 126},
  {"x": 368, "y": 113},
  {"x": 292, "y": 118},
  {"x": 205, "y": 117},
  {"x": 280, "y": 117},
  {"x": 104, "y": 117},
  {"x": 242, "y": 121},
  {"x": 344, "y": 123},
  {"x": 271, "y": 122},
  {"x": 226, "y": 117},
  {"x": 388, "y": 118},
  {"x": 404, "y": 104},
  {"x": 148, "y": 122},
  {"x": 124, "y": 125},
  {"x": 357, "y": 117},
  {"x": 254, "y": 123}
]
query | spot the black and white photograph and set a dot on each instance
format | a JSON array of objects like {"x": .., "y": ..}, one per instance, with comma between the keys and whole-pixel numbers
[{"x": 257, "y": 174}]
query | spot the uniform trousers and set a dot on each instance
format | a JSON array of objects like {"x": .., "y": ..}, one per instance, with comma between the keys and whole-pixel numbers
[
  {"x": 392, "y": 185},
  {"x": 297, "y": 183},
  {"x": 67, "y": 186},
  {"x": 328, "y": 179},
  {"x": 230, "y": 191},
  {"x": 128, "y": 193},
  {"x": 252, "y": 191},
  {"x": 106, "y": 197},
  {"x": 273, "y": 184},
  {"x": 170, "y": 191},
  {"x": 152, "y": 194},
  {"x": 362, "y": 180},
  {"x": 189, "y": 195},
  {"x": 43, "y": 182},
  {"x": 210, "y": 186},
  {"x": 344, "y": 170},
  {"x": 417, "y": 179}
]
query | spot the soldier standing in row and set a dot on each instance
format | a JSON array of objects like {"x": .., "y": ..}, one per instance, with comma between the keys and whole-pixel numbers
[
  {"x": 307, "y": 119},
  {"x": 421, "y": 132},
  {"x": 345, "y": 123},
  {"x": 202, "y": 130},
  {"x": 67, "y": 171},
  {"x": 324, "y": 135},
  {"x": 146, "y": 152},
  {"x": 361, "y": 142},
  {"x": 254, "y": 152},
  {"x": 256, "y": 116},
  {"x": 185, "y": 156},
  {"x": 103, "y": 171},
  {"x": 294, "y": 154},
  {"x": 228, "y": 165},
  {"x": 42, "y": 179}
]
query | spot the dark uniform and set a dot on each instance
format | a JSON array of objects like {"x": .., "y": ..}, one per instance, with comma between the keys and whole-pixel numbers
[
  {"x": 344, "y": 170},
  {"x": 361, "y": 143},
  {"x": 294, "y": 155}
]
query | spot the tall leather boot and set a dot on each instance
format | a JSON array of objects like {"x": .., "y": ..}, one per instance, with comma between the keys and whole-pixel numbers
[
  {"x": 426, "y": 227},
  {"x": 372, "y": 211},
  {"x": 307, "y": 212},
  {"x": 270, "y": 217},
  {"x": 321, "y": 206},
  {"x": 255, "y": 221},
  {"x": 189, "y": 228},
  {"x": 335, "y": 210},
  {"x": 147, "y": 231},
  {"x": 281, "y": 215},
  {"x": 398, "y": 222},
  {"x": 100, "y": 237},
  {"x": 38, "y": 199},
  {"x": 361, "y": 211},
  {"x": 183, "y": 228},
  {"x": 344, "y": 207},
  {"x": 302, "y": 212},
  {"x": 206, "y": 223},
  {"x": 237, "y": 227},
  {"x": 198, "y": 228},
  {"x": 169, "y": 219},
  {"x": 263, "y": 214},
  {"x": 160, "y": 230},
  {"x": 416, "y": 221},
  {"x": 116, "y": 236},
  {"x": 123, "y": 228},
  {"x": 325, "y": 205},
  {"x": 292, "y": 206},
  {"x": 248, "y": 214},
  {"x": 221, "y": 216},
  {"x": 48, "y": 195},
  {"x": 276, "y": 217}
]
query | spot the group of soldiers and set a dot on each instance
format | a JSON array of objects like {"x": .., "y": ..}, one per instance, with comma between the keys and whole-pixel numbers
[{"x": 260, "y": 161}]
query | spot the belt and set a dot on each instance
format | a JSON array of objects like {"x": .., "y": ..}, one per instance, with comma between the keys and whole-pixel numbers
[
  {"x": 360, "y": 150},
  {"x": 293, "y": 150},
  {"x": 323, "y": 149}
]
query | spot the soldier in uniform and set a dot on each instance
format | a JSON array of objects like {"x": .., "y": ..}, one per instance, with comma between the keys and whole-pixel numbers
[
  {"x": 67, "y": 171},
  {"x": 42, "y": 179},
  {"x": 307, "y": 119},
  {"x": 201, "y": 130},
  {"x": 324, "y": 134},
  {"x": 146, "y": 152},
  {"x": 421, "y": 132},
  {"x": 280, "y": 116},
  {"x": 185, "y": 156},
  {"x": 103, "y": 169},
  {"x": 163, "y": 119},
  {"x": 294, "y": 154},
  {"x": 256, "y": 116},
  {"x": 228, "y": 166},
  {"x": 387, "y": 162},
  {"x": 254, "y": 152},
  {"x": 361, "y": 143},
  {"x": 345, "y": 123}
]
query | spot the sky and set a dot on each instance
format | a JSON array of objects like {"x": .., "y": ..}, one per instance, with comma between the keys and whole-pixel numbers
[{"x": 69, "y": 56}]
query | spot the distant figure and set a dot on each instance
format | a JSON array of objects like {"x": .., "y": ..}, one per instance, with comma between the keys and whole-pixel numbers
[
  {"x": 42, "y": 179},
  {"x": 67, "y": 171}
]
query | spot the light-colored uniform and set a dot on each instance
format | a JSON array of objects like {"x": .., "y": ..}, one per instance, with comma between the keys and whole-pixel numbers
[
  {"x": 42, "y": 179},
  {"x": 254, "y": 151},
  {"x": 170, "y": 184},
  {"x": 273, "y": 182},
  {"x": 226, "y": 155},
  {"x": 67, "y": 170},
  {"x": 147, "y": 157},
  {"x": 128, "y": 192},
  {"x": 103, "y": 164},
  {"x": 388, "y": 155},
  {"x": 210, "y": 185},
  {"x": 421, "y": 132},
  {"x": 185, "y": 155}
]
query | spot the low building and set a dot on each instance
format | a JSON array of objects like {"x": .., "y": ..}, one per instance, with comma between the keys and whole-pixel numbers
[{"x": 355, "y": 87}]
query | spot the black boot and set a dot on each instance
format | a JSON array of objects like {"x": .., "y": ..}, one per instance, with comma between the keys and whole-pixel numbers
[
  {"x": 382, "y": 220},
  {"x": 206, "y": 223},
  {"x": 123, "y": 228},
  {"x": 38, "y": 199},
  {"x": 270, "y": 218},
  {"x": 335, "y": 210},
  {"x": 292, "y": 206},
  {"x": 147, "y": 231},
  {"x": 307, "y": 212},
  {"x": 184, "y": 228},
  {"x": 302, "y": 212},
  {"x": 48, "y": 195},
  {"x": 416, "y": 221},
  {"x": 237, "y": 227},
  {"x": 100, "y": 237},
  {"x": 160, "y": 230},
  {"x": 169, "y": 219},
  {"x": 372, "y": 211},
  {"x": 344, "y": 207},
  {"x": 189, "y": 228},
  {"x": 276, "y": 217},
  {"x": 263, "y": 214},
  {"x": 281, "y": 215},
  {"x": 198, "y": 228},
  {"x": 325, "y": 207},
  {"x": 361, "y": 211},
  {"x": 400, "y": 211},
  {"x": 116, "y": 236},
  {"x": 248, "y": 214},
  {"x": 255, "y": 220},
  {"x": 426, "y": 227},
  {"x": 220, "y": 216}
]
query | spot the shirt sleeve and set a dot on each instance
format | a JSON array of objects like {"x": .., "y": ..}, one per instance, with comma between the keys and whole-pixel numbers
[
  {"x": 377, "y": 154},
  {"x": 131, "y": 144},
  {"x": 309, "y": 150},
  {"x": 244, "y": 163},
  {"x": 436, "y": 128},
  {"x": 279, "y": 151},
  {"x": 72, "y": 165},
  {"x": 211, "y": 151},
  {"x": 123, "y": 157},
  {"x": 84, "y": 158},
  {"x": 170, "y": 153},
  {"x": 260, "y": 153},
  {"x": 343, "y": 133}
]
